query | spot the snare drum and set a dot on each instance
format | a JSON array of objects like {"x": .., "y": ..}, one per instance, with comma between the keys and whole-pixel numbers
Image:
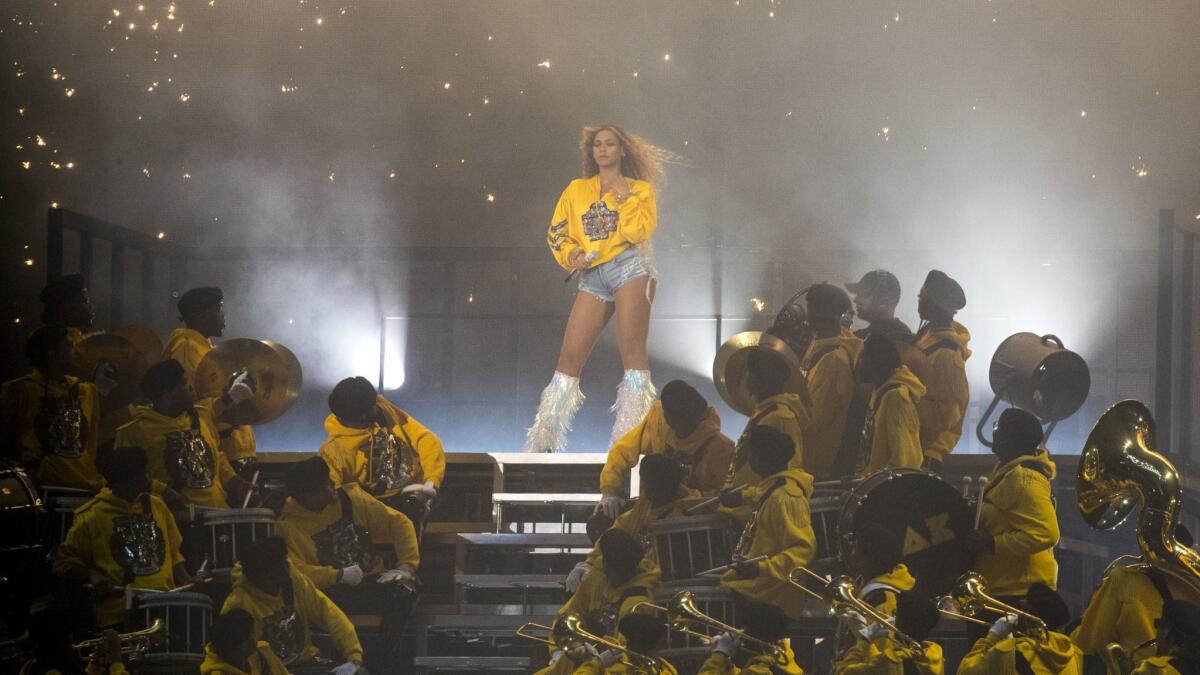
[
  {"x": 687, "y": 545},
  {"x": 229, "y": 531},
  {"x": 185, "y": 617},
  {"x": 61, "y": 503},
  {"x": 20, "y": 519}
]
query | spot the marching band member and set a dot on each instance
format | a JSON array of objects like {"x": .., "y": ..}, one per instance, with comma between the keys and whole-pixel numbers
[
  {"x": 879, "y": 653},
  {"x": 875, "y": 298},
  {"x": 66, "y": 303},
  {"x": 680, "y": 424},
  {"x": 330, "y": 536},
  {"x": 284, "y": 603},
  {"x": 891, "y": 433},
  {"x": 779, "y": 526},
  {"x": 643, "y": 634},
  {"x": 1009, "y": 647},
  {"x": 203, "y": 316},
  {"x": 382, "y": 448},
  {"x": 731, "y": 656},
  {"x": 944, "y": 343},
  {"x": 1177, "y": 641},
  {"x": 54, "y": 651},
  {"x": 829, "y": 363},
  {"x": 233, "y": 649},
  {"x": 50, "y": 420},
  {"x": 180, "y": 436},
  {"x": 875, "y": 558},
  {"x": 124, "y": 536}
]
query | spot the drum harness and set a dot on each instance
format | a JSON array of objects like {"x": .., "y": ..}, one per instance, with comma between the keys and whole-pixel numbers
[
  {"x": 127, "y": 566},
  {"x": 740, "y": 455},
  {"x": 390, "y": 451},
  {"x": 868, "y": 429},
  {"x": 59, "y": 423},
  {"x": 747, "y": 537},
  {"x": 284, "y": 628},
  {"x": 190, "y": 469},
  {"x": 344, "y": 531}
]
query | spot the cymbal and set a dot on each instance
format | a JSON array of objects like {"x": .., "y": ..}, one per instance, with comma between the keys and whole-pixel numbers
[
  {"x": 130, "y": 363},
  {"x": 275, "y": 369},
  {"x": 729, "y": 368},
  {"x": 144, "y": 339}
]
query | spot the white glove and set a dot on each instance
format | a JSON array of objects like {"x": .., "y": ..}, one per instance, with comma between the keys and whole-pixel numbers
[
  {"x": 427, "y": 487},
  {"x": 347, "y": 668},
  {"x": 610, "y": 505},
  {"x": 401, "y": 575},
  {"x": 558, "y": 654},
  {"x": 725, "y": 643},
  {"x": 873, "y": 631},
  {"x": 1004, "y": 626},
  {"x": 242, "y": 388},
  {"x": 351, "y": 576},
  {"x": 609, "y": 657},
  {"x": 576, "y": 575},
  {"x": 105, "y": 378}
]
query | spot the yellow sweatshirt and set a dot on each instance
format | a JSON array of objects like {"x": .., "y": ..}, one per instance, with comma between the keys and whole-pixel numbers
[
  {"x": 192, "y": 465},
  {"x": 720, "y": 664},
  {"x": 77, "y": 414},
  {"x": 829, "y": 363},
  {"x": 110, "y": 536},
  {"x": 189, "y": 347},
  {"x": 311, "y": 607},
  {"x": 784, "y": 412},
  {"x": 637, "y": 520},
  {"x": 118, "y": 668},
  {"x": 944, "y": 405},
  {"x": 887, "y": 657},
  {"x": 1018, "y": 510},
  {"x": 347, "y": 450},
  {"x": 1056, "y": 655},
  {"x": 262, "y": 662},
  {"x": 781, "y": 529},
  {"x": 593, "y": 667},
  {"x": 893, "y": 428},
  {"x": 586, "y": 219},
  {"x": 1157, "y": 665},
  {"x": 890, "y": 584},
  {"x": 317, "y": 545},
  {"x": 704, "y": 454},
  {"x": 597, "y": 594},
  {"x": 1122, "y": 610}
]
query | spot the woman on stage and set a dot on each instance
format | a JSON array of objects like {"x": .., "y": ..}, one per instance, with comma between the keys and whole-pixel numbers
[{"x": 601, "y": 233}]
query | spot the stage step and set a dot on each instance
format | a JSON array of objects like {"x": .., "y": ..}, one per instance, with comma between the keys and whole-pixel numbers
[
  {"x": 482, "y": 664},
  {"x": 510, "y": 581}
]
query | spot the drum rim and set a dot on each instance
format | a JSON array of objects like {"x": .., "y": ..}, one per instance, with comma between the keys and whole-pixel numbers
[
  {"x": 674, "y": 524},
  {"x": 251, "y": 515},
  {"x": 179, "y": 598}
]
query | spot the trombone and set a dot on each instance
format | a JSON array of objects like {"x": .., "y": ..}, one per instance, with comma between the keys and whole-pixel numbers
[
  {"x": 684, "y": 617},
  {"x": 970, "y": 594},
  {"x": 137, "y": 642},
  {"x": 676, "y": 623},
  {"x": 567, "y": 631},
  {"x": 839, "y": 593}
]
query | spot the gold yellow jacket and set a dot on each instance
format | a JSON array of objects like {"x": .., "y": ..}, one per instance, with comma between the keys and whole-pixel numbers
[
  {"x": 300, "y": 527},
  {"x": 102, "y": 527},
  {"x": 312, "y": 607},
  {"x": 1018, "y": 511},
  {"x": 262, "y": 662},
  {"x": 706, "y": 451},
  {"x": 1121, "y": 610},
  {"x": 830, "y": 366},
  {"x": 346, "y": 450},
  {"x": 189, "y": 347},
  {"x": 586, "y": 219},
  {"x": 784, "y": 412},
  {"x": 720, "y": 664},
  {"x": 781, "y": 529},
  {"x": 1157, "y": 665},
  {"x": 597, "y": 594},
  {"x": 891, "y": 583},
  {"x": 887, "y": 657},
  {"x": 944, "y": 405},
  {"x": 1056, "y": 655},
  {"x": 895, "y": 435},
  {"x": 637, "y": 520},
  {"x": 118, "y": 668},
  {"x": 593, "y": 667},
  {"x": 153, "y": 432},
  {"x": 20, "y": 403}
]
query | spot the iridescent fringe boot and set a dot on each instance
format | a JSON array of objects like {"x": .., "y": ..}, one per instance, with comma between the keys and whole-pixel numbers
[
  {"x": 635, "y": 395},
  {"x": 561, "y": 399}
]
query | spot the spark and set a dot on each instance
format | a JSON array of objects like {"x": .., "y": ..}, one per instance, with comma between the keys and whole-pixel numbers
[
  {"x": 21, "y": 111},
  {"x": 25, "y": 165},
  {"x": 17, "y": 320},
  {"x": 885, "y": 133},
  {"x": 666, "y": 57},
  {"x": 544, "y": 64},
  {"x": 184, "y": 97},
  {"x": 320, "y": 21},
  {"x": 491, "y": 197},
  {"x": 70, "y": 165},
  {"x": 288, "y": 88},
  {"x": 445, "y": 85},
  {"x": 29, "y": 262},
  {"x": 116, "y": 12},
  {"x": 161, "y": 235},
  {"x": 146, "y": 171},
  {"x": 759, "y": 304},
  {"x": 470, "y": 298},
  {"x": 41, "y": 142},
  {"x": 392, "y": 173},
  {"x": 332, "y": 177},
  {"x": 486, "y": 100},
  {"x": 1083, "y": 113},
  {"x": 54, "y": 205},
  {"x": 187, "y": 175}
]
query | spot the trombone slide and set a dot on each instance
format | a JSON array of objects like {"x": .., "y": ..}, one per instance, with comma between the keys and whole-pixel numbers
[{"x": 725, "y": 568}]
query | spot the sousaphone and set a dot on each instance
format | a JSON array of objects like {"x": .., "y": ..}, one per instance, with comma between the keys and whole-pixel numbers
[
  {"x": 275, "y": 369},
  {"x": 729, "y": 368}
]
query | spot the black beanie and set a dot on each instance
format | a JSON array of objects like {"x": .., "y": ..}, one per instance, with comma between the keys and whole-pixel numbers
[
  {"x": 1047, "y": 605},
  {"x": 307, "y": 475},
  {"x": 680, "y": 400},
  {"x": 352, "y": 397},
  {"x": 1019, "y": 430}
]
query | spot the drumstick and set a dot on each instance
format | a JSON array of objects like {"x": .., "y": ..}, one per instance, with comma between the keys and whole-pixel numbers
[
  {"x": 712, "y": 500},
  {"x": 724, "y": 568},
  {"x": 983, "y": 481},
  {"x": 250, "y": 492},
  {"x": 966, "y": 486}
]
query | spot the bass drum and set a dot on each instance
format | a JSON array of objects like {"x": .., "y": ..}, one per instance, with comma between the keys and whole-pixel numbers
[{"x": 929, "y": 518}]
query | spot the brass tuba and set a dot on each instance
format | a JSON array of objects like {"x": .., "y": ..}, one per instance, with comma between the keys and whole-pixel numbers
[{"x": 1120, "y": 469}]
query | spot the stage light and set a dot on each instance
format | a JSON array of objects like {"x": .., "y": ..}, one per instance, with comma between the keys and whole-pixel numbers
[
  {"x": 1037, "y": 374},
  {"x": 391, "y": 349}
]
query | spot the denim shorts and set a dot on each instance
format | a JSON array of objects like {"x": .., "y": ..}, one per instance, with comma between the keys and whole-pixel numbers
[{"x": 604, "y": 279}]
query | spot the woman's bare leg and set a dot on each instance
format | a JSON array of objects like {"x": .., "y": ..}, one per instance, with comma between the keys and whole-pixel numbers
[
  {"x": 588, "y": 317},
  {"x": 633, "y": 322}
]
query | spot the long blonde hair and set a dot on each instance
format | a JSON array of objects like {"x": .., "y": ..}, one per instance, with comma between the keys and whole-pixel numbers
[{"x": 643, "y": 160}]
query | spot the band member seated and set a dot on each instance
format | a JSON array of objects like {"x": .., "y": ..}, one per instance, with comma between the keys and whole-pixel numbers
[
  {"x": 1018, "y": 531},
  {"x": 1177, "y": 641},
  {"x": 124, "y": 536},
  {"x": 234, "y": 650},
  {"x": 663, "y": 496},
  {"x": 944, "y": 343},
  {"x": 379, "y": 446},
  {"x": 180, "y": 436},
  {"x": 880, "y": 653},
  {"x": 331, "y": 533},
  {"x": 642, "y": 634},
  {"x": 53, "y": 648},
  {"x": 731, "y": 655},
  {"x": 891, "y": 435},
  {"x": 829, "y": 363},
  {"x": 202, "y": 313},
  {"x": 875, "y": 298},
  {"x": 284, "y": 604},
  {"x": 875, "y": 560},
  {"x": 50, "y": 420},
  {"x": 66, "y": 303},
  {"x": 680, "y": 424},
  {"x": 1013, "y": 646},
  {"x": 779, "y": 527}
]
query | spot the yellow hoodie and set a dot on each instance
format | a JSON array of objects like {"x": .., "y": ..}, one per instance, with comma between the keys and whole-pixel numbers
[
  {"x": 262, "y": 662},
  {"x": 597, "y": 594},
  {"x": 20, "y": 405},
  {"x": 1018, "y": 511},
  {"x": 593, "y": 667},
  {"x": 784, "y": 412},
  {"x": 637, "y": 520},
  {"x": 829, "y": 363},
  {"x": 891, "y": 584},
  {"x": 1122, "y": 610},
  {"x": 347, "y": 450},
  {"x": 944, "y": 406},
  {"x": 991, "y": 655},
  {"x": 312, "y": 608},
  {"x": 781, "y": 529},
  {"x": 314, "y": 538},
  {"x": 720, "y": 664},
  {"x": 586, "y": 219},
  {"x": 1157, "y": 665},
  {"x": 201, "y": 471},
  {"x": 887, "y": 657},
  {"x": 110, "y": 535},
  {"x": 893, "y": 431},
  {"x": 704, "y": 454},
  {"x": 91, "y": 668},
  {"x": 189, "y": 347}
]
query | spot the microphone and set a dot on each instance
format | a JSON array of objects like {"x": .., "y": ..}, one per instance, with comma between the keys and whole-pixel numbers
[{"x": 589, "y": 259}]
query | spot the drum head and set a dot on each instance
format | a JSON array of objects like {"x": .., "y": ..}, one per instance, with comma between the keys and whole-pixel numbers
[{"x": 928, "y": 517}]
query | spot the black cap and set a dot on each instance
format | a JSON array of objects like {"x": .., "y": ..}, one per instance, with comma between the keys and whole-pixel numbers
[
  {"x": 307, "y": 475},
  {"x": 828, "y": 299},
  {"x": 1019, "y": 429},
  {"x": 199, "y": 299},
  {"x": 879, "y": 284},
  {"x": 1182, "y": 618},
  {"x": 161, "y": 377},
  {"x": 943, "y": 291},
  {"x": 352, "y": 397}
]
